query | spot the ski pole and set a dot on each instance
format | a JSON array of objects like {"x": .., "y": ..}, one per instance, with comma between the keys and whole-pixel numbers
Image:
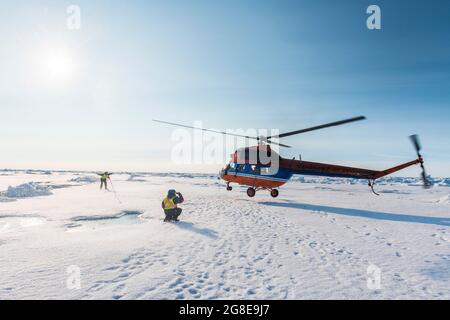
[{"x": 114, "y": 191}]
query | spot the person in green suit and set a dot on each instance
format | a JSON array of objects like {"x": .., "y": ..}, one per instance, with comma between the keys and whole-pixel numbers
[{"x": 104, "y": 179}]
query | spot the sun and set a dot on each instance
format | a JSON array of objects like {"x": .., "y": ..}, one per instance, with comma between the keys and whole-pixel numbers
[{"x": 57, "y": 64}]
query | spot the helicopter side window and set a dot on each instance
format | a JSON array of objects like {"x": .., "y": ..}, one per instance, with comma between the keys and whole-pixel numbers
[
  {"x": 241, "y": 167},
  {"x": 267, "y": 171}
]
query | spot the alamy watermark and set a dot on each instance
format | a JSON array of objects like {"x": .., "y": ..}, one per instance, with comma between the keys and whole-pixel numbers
[
  {"x": 73, "y": 281},
  {"x": 373, "y": 277},
  {"x": 196, "y": 146},
  {"x": 73, "y": 21},
  {"x": 374, "y": 20}
]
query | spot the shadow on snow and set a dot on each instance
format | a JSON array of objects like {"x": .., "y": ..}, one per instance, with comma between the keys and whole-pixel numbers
[
  {"x": 440, "y": 221},
  {"x": 202, "y": 231}
]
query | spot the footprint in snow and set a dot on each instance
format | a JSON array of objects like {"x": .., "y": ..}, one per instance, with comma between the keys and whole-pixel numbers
[{"x": 251, "y": 292}]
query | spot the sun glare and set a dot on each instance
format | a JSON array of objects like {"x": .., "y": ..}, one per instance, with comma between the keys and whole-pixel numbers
[{"x": 57, "y": 64}]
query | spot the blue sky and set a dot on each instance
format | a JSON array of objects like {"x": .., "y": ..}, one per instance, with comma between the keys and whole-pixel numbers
[{"x": 232, "y": 64}]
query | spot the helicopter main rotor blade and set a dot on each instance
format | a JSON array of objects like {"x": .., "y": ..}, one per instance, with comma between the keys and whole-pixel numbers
[
  {"x": 332, "y": 124},
  {"x": 278, "y": 144},
  {"x": 208, "y": 130}
]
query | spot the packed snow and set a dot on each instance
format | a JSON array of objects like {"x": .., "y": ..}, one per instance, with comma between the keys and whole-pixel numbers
[{"x": 321, "y": 239}]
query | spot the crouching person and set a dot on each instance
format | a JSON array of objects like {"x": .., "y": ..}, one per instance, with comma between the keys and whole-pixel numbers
[{"x": 170, "y": 205}]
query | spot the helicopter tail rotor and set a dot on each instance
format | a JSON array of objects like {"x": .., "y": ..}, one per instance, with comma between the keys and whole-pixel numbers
[{"x": 416, "y": 143}]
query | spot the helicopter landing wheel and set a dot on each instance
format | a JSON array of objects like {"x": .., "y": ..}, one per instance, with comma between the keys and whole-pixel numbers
[
  {"x": 274, "y": 193},
  {"x": 251, "y": 192},
  {"x": 229, "y": 188}
]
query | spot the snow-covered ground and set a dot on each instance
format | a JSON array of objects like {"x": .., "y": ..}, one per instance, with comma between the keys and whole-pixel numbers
[{"x": 318, "y": 240}]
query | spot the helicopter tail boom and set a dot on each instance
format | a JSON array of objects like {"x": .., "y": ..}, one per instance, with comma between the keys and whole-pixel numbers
[
  {"x": 331, "y": 170},
  {"x": 402, "y": 166}
]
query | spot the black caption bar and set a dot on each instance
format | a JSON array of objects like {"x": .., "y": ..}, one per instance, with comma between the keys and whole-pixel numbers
[{"x": 217, "y": 309}]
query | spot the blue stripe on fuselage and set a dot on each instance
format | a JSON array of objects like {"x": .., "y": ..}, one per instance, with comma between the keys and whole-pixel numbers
[{"x": 246, "y": 171}]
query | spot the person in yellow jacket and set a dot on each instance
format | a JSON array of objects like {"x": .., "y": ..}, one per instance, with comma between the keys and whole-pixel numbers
[{"x": 170, "y": 205}]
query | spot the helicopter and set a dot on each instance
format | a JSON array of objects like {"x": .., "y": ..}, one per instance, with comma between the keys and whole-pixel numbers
[{"x": 254, "y": 166}]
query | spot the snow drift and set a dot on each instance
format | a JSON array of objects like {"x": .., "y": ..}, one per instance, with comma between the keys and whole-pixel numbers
[{"x": 27, "y": 190}]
